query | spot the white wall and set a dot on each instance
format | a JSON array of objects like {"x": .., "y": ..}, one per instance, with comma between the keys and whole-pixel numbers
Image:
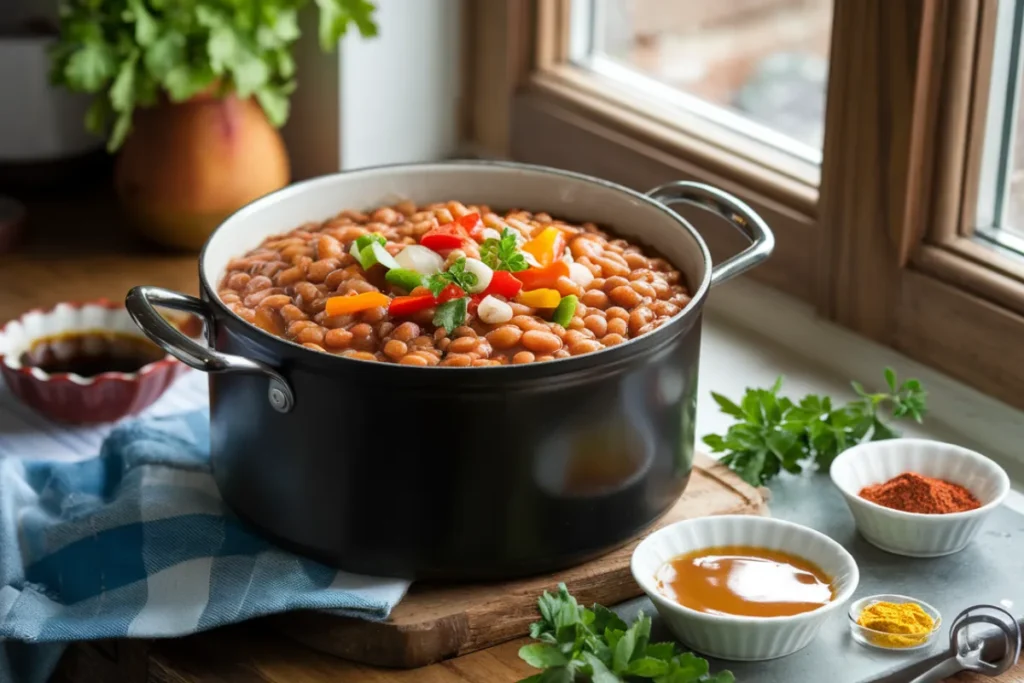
[{"x": 400, "y": 91}]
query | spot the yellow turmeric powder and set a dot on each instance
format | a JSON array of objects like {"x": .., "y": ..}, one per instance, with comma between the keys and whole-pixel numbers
[{"x": 899, "y": 625}]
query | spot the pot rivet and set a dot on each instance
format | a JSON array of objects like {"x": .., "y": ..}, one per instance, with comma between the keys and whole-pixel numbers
[{"x": 278, "y": 399}]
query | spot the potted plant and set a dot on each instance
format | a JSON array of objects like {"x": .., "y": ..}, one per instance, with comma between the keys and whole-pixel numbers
[{"x": 191, "y": 94}]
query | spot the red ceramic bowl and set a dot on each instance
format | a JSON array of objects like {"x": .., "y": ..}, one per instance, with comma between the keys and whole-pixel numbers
[{"x": 72, "y": 398}]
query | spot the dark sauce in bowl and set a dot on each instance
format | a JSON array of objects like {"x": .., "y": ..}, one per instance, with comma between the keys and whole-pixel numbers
[{"x": 91, "y": 353}]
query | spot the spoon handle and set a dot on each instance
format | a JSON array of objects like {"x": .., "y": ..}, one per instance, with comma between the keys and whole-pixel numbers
[{"x": 940, "y": 672}]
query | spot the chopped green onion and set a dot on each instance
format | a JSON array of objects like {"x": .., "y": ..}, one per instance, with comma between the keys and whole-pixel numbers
[
  {"x": 363, "y": 241},
  {"x": 358, "y": 255},
  {"x": 382, "y": 256},
  {"x": 372, "y": 253},
  {"x": 565, "y": 310},
  {"x": 404, "y": 278}
]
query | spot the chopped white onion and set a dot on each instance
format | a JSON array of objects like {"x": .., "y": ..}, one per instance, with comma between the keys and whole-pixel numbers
[
  {"x": 490, "y": 234},
  {"x": 580, "y": 274},
  {"x": 483, "y": 274},
  {"x": 383, "y": 257},
  {"x": 424, "y": 261},
  {"x": 494, "y": 311}
]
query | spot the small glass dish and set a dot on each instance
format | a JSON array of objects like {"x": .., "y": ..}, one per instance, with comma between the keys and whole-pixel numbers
[{"x": 878, "y": 639}]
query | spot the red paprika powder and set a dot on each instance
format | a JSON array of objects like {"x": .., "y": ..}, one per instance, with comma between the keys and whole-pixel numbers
[{"x": 913, "y": 492}]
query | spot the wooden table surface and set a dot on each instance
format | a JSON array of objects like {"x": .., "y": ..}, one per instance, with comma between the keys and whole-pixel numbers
[{"x": 77, "y": 248}]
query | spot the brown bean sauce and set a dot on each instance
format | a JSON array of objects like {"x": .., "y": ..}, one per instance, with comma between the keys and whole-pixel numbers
[{"x": 91, "y": 353}]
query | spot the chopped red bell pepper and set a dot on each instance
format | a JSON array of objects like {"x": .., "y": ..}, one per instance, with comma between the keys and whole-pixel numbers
[
  {"x": 472, "y": 224},
  {"x": 448, "y": 236},
  {"x": 543, "y": 278},
  {"x": 450, "y": 292},
  {"x": 407, "y": 305},
  {"x": 504, "y": 284},
  {"x": 474, "y": 303}
]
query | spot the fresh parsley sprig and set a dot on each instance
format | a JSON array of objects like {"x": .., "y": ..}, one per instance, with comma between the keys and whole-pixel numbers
[
  {"x": 773, "y": 433},
  {"x": 456, "y": 275},
  {"x": 451, "y": 314},
  {"x": 579, "y": 644},
  {"x": 503, "y": 254}
]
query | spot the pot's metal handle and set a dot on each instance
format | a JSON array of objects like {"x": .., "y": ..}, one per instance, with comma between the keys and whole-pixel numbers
[
  {"x": 140, "y": 303},
  {"x": 733, "y": 210}
]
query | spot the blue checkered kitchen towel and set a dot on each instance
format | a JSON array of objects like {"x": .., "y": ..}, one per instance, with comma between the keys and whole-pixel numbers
[{"x": 137, "y": 543}]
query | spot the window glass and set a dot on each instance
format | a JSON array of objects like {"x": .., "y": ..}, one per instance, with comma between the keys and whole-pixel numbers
[{"x": 759, "y": 66}]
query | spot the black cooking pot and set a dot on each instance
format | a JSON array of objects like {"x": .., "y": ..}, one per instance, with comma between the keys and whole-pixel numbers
[{"x": 465, "y": 473}]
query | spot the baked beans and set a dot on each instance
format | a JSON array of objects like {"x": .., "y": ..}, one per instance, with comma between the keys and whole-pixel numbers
[{"x": 582, "y": 290}]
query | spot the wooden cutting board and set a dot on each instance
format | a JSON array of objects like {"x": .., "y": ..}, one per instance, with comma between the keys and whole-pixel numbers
[{"x": 436, "y": 622}]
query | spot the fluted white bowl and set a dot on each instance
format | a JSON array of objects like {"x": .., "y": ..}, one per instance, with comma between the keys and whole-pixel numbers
[
  {"x": 908, "y": 533},
  {"x": 733, "y": 637}
]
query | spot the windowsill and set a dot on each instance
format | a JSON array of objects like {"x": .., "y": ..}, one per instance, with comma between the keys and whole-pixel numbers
[{"x": 753, "y": 334}]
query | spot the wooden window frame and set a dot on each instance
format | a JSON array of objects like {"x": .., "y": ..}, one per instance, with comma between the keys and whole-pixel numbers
[{"x": 884, "y": 248}]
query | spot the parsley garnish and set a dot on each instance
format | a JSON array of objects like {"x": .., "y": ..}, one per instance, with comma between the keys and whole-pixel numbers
[
  {"x": 451, "y": 314},
  {"x": 503, "y": 254},
  {"x": 456, "y": 275},
  {"x": 773, "y": 433},
  {"x": 577, "y": 643}
]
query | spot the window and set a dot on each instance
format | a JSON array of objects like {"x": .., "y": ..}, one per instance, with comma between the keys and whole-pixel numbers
[
  {"x": 879, "y": 139},
  {"x": 756, "y": 66},
  {"x": 1000, "y": 215}
]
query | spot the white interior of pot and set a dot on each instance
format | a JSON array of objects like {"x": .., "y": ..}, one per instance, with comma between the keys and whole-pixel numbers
[{"x": 501, "y": 187}]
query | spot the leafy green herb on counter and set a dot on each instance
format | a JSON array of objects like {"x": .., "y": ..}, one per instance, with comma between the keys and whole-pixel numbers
[
  {"x": 579, "y": 644},
  {"x": 503, "y": 254},
  {"x": 456, "y": 274},
  {"x": 451, "y": 314},
  {"x": 773, "y": 433}
]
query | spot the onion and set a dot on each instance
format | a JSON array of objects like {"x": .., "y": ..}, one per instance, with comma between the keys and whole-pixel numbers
[
  {"x": 383, "y": 257},
  {"x": 424, "y": 261},
  {"x": 580, "y": 274},
  {"x": 483, "y": 274},
  {"x": 490, "y": 234},
  {"x": 494, "y": 311}
]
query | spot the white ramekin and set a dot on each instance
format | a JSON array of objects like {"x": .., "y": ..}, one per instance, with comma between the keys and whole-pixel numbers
[
  {"x": 737, "y": 637},
  {"x": 911, "y": 534}
]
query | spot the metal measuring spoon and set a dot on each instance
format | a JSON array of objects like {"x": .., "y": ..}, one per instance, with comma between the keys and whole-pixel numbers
[{"x": 966, "y": 652}]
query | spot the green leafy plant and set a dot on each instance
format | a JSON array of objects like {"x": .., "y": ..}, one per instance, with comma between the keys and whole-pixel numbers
[
  {"x": 579, "y": 644},
  {"x": 129, "y": 52},
  {"x": 773, "y": 433}
]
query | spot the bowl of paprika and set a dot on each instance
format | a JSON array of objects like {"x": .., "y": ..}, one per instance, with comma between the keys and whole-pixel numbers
[{"x": 916, "y": 497}]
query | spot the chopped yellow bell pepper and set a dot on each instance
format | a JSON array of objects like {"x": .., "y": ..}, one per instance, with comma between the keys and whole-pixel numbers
[
  {"x": 540, "y": 298},
  {"x": 547, "y": 246},
  {"x": 353, "y": 303}
]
